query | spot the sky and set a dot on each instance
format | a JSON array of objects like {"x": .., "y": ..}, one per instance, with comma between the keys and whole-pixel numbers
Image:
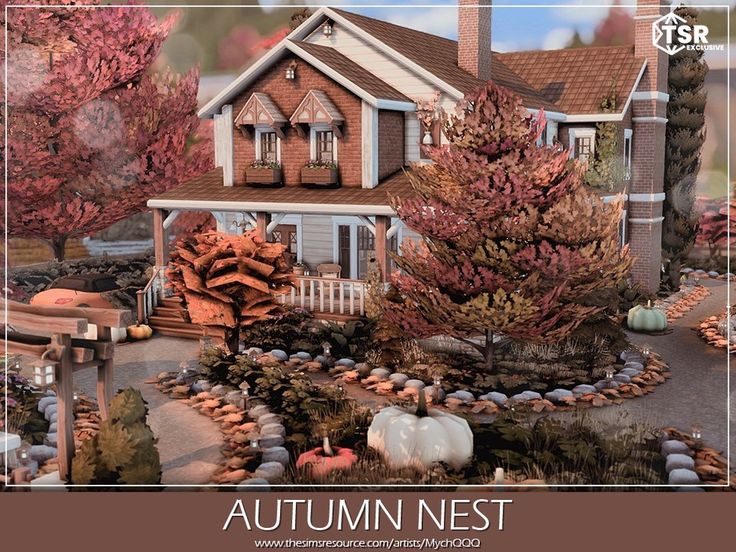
[{"x": 549, "y": 24}]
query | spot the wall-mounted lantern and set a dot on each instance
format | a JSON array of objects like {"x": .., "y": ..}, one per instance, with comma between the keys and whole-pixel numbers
[
  {"x": 291, "y": 71},
  {"x": 327, "y": 28}
]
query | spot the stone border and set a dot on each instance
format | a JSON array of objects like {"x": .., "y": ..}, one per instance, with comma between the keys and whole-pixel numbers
[
  {"x": 708, "y": 330},
  {"x": 677, "y": 304},
  {"x": 691, "y": 463},
  {"x": 706, "y": 275}
]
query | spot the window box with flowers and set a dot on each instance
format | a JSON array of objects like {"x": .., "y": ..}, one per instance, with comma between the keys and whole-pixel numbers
[
  {"x": 264, "y": 173},
  {"x": 321, "y": 174}
]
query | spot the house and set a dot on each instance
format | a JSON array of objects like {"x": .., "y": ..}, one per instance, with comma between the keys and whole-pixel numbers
[{"x": 341, "y": 91}]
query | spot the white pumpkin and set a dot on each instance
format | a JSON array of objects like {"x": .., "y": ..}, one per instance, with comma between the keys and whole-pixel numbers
[{"x": 419, "y": 439}]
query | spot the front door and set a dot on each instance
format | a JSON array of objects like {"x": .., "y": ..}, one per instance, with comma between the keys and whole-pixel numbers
[{"x": 285, "y": 234}]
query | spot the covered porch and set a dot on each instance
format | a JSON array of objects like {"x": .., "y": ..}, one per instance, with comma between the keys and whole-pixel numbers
[{"x": 331, "y": 234}]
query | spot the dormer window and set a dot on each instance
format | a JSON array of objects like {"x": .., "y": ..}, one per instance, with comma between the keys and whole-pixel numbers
[
  {"x": 324, "y": 146},
  {"x": 268, "y": 146}
]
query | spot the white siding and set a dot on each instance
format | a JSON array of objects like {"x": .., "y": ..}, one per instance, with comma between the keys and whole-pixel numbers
[
  {"x": 224, "y": 143},
  {"x": 359, "y": 51},
  {"x": 369, "y": 153},
  {"x": 411, "y": 137},
  {"x": 317, "y": 240}
]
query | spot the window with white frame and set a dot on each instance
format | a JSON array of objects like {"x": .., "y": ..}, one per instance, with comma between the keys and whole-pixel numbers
[
  {"x": 628, "y": 134},
  {"x": 268, "y": 145},
  {"x": 354, "y": 246},
  {"x": 322, "y": 144},
  {"x": 582, "y": 143}
]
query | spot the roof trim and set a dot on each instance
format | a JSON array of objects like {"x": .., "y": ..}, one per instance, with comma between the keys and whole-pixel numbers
[
  {"x": 270, "y": 57},
  {"x": 321, "y": 99},
  {"x": 274, "y": 207},
  {"x": 264, "y": 101}
]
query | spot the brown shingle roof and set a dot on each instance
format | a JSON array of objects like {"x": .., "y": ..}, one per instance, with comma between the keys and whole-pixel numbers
[
  {"x": 577, "y": 79},
  {"x": 439, "y": 56},
  {"x": 210, "y": 190},
  {"x": 353, "y": 72}
]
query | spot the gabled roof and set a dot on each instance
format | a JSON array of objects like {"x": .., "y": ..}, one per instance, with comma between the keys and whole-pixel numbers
[
  {"x": 316, "y": 107},
  {"x": 577, "y": 79},
  {"x": 354, "y": 72},
  {"x": 260, "y": 109},
  {"x": 438, "y": 55}
]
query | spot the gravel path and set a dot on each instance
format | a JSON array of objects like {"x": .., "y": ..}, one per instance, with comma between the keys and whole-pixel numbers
[{"x": 189, "y": 443}]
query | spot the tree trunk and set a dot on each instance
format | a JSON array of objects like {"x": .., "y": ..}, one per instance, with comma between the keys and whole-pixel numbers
[
  {"x": 232, "y": 340},
  {"x": 488, "y": 351},
  {"x": 58, "y": 246}
]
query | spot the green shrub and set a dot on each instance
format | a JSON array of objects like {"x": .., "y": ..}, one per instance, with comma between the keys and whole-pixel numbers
[{"x": 124, "y": 450}]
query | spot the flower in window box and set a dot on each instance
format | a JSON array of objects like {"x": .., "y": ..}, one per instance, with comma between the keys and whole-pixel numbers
[
  {"x": 322, "y": 174},
  {"x": 264, "y": 173}
]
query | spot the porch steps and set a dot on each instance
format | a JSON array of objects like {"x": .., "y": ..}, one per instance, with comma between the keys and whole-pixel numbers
[{"x": 170, "y": 319}]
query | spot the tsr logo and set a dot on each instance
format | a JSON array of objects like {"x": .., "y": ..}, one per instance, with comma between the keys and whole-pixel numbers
[{"x": 672, "y": 33}]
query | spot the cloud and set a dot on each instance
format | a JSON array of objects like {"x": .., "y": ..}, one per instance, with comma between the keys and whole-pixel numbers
[
  {"x": 438, "y": 20},
  {"x": 558, "y": 38}
]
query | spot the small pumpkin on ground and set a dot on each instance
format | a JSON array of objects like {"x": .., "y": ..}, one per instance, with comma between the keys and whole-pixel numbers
[
  {"x": 323, "y": 460},
  {"x": 419, "y": 439},
  {"x": 139, "y": 331},
  {"x": 645, "y": 318}
]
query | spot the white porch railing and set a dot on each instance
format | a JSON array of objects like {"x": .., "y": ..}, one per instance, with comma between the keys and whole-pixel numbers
[
  {"x": 327, "y": 295},
  {"x": 148, "y": 297}
]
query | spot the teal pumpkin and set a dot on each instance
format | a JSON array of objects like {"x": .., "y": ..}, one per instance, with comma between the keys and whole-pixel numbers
[{"x": 645, "y": 318}]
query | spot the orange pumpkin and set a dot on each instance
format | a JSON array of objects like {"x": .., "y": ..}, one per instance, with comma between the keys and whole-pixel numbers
[
  {"x": 322, "y": 460},
  {"x": 139, "y": 331}
]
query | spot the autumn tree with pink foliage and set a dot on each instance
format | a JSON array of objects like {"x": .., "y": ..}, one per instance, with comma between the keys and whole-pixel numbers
[
  {"x": 513, "y": 243},
  {"x": 92, "y": 131}
]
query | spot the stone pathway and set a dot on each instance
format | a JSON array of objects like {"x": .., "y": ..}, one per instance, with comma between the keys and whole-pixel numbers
[
  {"x": 189, "y": 444},
  {"x": 698, "y": 389}
]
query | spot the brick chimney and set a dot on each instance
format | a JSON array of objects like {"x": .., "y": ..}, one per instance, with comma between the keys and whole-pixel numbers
[
  {"x": 474, "y": 37},
  {"x": 649, "y": 121}
]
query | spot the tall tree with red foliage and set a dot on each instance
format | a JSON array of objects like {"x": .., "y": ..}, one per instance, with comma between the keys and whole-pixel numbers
[
  {"x": 513, "y": 243},
  {"x": 92, "y": 131}
]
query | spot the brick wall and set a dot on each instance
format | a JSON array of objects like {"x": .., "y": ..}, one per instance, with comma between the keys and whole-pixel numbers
[
  {"x": 287, "y": 94},
  {"x": 474, "y": 37},
  {"x": 390, "y": 142}
]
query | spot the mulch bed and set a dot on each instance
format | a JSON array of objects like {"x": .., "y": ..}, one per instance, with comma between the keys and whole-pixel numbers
[{"x": 711, "y": 333}]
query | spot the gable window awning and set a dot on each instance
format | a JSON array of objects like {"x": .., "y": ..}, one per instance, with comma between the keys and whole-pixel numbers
[
  {"x": 260, "y": 110},
  {"x": 317, "y": 109}
]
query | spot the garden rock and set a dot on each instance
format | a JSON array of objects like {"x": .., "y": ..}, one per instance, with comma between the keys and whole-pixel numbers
[
  {"x": 399, "y": 380},
  {"x": 269, "y": 418},
  {"x": 273, "y": 429},
  {"x": 255, "y": 351},
  {"x": 380, "y": 373},
  {"x": 322, "y": 359},
  {"x": 629, "y": 372},
  {"x": 200, "y": 386},
  {"x": 51, "y": 439},
  {"x": 557, "y": 394},
  {"x": 276, "y": 454},
  {"x": 270, "y": 471},
  {"x": 54, "y": 418},
  {"x": 303, "y": 355},
  {"x": 42, "y": 453},
  {"x": 679, "y": 461},
  {"x": 464, "y": 396},
  {"x": 255, "y": 484},
  {"x": 278, "y": 354},
  {"x": 233, "y": 397},
  {"x": 634, "y": 366},
  {"x": 622, "y": 378},
  {"x": 605, "y": 384},
  {"x": 44, "y": 403},
  {"x": 673, "y": 446},
  {"x": 713, "y": 274},
  {"x": 258, "y": 411},
  {"x": 349, "y": 362},
  {"x": 271, "y": 441},
  {"x": 583, "y": 388},
  {"x": 435, "y": 394},
  {"x": 50, "y": 410},
  {"x": 414, "y": 384},
  {"x": 221, "y": 390},
  {"x": 682, "y": 476},
  {"x": 363, "y": 369},
  {"x": 496, "y": 397},
  {"x": 53, "y": 428}
]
